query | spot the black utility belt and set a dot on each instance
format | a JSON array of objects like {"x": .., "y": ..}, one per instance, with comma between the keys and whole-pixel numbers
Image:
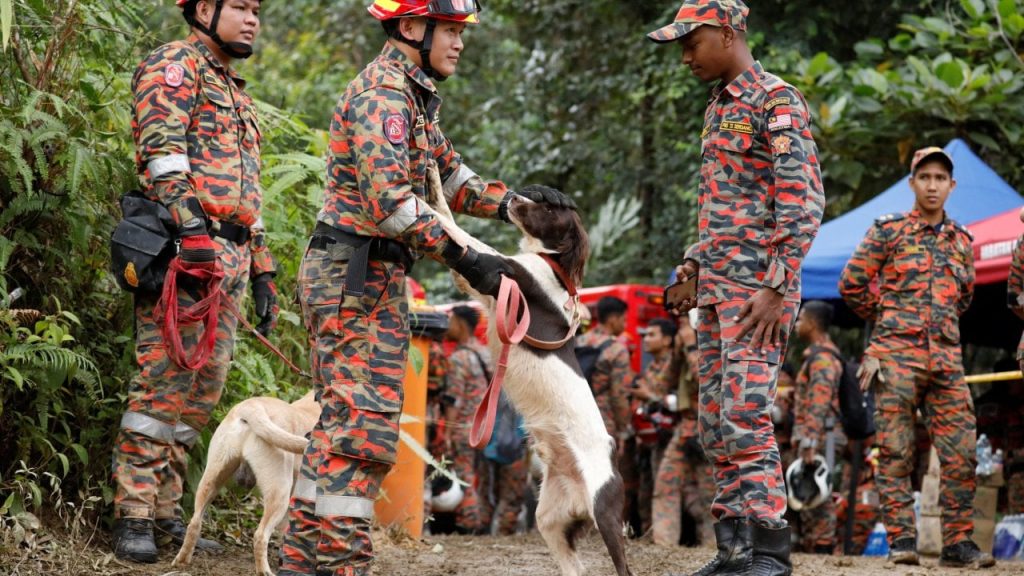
[
  {"x": 365, "y": 249},
  {"x": 229, "y": 231}
]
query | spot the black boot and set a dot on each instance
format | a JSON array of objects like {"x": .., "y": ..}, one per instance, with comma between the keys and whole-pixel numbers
[
  {"x": 733, "y": 559},
  {"x": 771, "y": 551},
  {"x": 133, "y": 540},
  {"x": 172, "y": 531}
]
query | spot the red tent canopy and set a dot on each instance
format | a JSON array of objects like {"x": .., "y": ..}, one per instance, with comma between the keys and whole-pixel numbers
[{"x": 994, "y": 241}]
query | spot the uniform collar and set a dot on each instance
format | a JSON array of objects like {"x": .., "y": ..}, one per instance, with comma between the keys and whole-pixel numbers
[
  {"x": 920, "y": 224},
  {"x": 203, "y": 49},
  {"x": 742, "y": 83},
  {"x": 414, "y": 72}
]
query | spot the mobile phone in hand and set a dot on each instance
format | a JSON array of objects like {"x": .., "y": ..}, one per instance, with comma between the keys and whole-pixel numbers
[{"x": 682, "y": 290}]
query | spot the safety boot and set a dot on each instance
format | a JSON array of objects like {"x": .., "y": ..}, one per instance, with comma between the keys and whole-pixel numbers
[
  {"x": 771, "y": 551},
  {"x": 133, "y": 540},
  {"x": 965, "y": 554},
  {"x": 172, "y": 531},
  {"x": 904, "y": 551},
  {"x": 732, "y": 538}
]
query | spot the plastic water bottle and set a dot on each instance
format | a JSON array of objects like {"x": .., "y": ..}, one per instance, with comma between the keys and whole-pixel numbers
[
  {"x": 1008, "y": 537},
  {"x": 984, "y": 452},
  {"x": 877, "y": 545}
]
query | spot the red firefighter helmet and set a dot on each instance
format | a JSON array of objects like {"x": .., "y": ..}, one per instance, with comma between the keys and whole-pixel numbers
[{"x": 465, "y": 11}]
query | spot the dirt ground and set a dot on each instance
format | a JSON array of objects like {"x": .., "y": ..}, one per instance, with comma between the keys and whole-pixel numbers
[{"x": 445, "y": 556}]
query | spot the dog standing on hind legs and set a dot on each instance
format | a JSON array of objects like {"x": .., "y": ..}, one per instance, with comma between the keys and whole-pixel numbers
[
  {"x": 268, "y": 435},
  {"x": 581, "y": 485}
]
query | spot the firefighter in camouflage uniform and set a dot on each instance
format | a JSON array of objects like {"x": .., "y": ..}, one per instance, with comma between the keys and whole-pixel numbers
[
  {"x": 760, "y": 205},
  {"x": 384, "y": 134},
  {"x": 198, "y": 153},
  {"x": 923, "y": 264},
  {"x": 1014, "y": 466}
]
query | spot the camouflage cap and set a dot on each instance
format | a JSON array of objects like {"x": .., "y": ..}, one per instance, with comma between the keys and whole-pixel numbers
[
  {"x": 931, "y": 153},
  {"x": 693, "y": 13}
]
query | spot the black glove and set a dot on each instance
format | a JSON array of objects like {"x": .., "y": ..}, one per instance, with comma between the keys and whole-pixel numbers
[
  {"x": 546, "y": 195},
  {"x": 264, "y": 296},
  {"x": 482, "y": 271}
]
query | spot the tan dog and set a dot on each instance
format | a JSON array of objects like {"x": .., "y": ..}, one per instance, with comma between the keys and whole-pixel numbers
[{"x": 268, "y": 435}]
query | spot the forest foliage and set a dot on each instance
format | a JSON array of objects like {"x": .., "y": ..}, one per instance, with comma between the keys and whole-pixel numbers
[{"x": 562, "y": 92}]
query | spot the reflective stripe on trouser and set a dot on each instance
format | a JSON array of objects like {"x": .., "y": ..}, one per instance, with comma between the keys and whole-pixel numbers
[
  {"x": 945, "y": 402},
  {"x": 358, "y": 348},
  {"x": 683, "y": 483},
  {"x": 737, "y": 391},
  {"x": 149, "y": 470}
]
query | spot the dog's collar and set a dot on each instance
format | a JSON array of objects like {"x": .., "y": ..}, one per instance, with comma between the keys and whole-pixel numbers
[{"x": 567, "y": 282}]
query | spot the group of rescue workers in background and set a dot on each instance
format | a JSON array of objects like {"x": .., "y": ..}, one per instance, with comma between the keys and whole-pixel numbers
[{"x": 198, "y": 153}]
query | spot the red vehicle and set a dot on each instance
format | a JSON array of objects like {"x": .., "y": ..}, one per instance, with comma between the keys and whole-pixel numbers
[{"x": 644, "y": 303}]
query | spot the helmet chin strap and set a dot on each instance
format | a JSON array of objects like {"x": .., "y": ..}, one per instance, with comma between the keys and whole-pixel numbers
[
  {"x": 425, "y": 47},
  {"x": 239, "y": 50}
]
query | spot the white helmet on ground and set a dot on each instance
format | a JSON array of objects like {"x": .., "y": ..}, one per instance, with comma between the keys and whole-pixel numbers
[{"x": 808, "y": 486}]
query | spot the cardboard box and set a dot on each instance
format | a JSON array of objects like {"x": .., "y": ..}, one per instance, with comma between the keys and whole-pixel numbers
[
  {"x": 929, "y": 535},
  {"x": 930, "y": 495},
  {"x": 994, "y": 480},
  {"x": 986, "y": 499},
  {"x": 984, "y": 533}
]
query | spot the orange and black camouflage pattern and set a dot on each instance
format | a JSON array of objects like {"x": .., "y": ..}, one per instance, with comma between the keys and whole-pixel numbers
[
  {"x": 372, "y": 173},
  {"x": 760, "y": 197},
  {"x": 694, "y": 13},
  {"x": 611, "y": 379},
  {"x": 737, "y": 390},
  {"x": 187, "y": 103},
  {"x": 467, "y": 382},
  {"x": 502, "y": 489},
  {"x": 816, "y": 400},
  {"x": 359, "y": 347},
  {"x": 149, "y": 472},
  {"x": 1015, "y": 288},
  {"x": 925, "y": 279},
  {"x": 685, "y": 481}
]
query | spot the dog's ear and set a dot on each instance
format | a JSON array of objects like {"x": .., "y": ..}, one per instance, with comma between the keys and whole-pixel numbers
[{"x": 575, "y": 248}]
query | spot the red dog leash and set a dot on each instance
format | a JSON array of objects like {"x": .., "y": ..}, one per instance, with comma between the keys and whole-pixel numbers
[{"x": 511, "y": 327}]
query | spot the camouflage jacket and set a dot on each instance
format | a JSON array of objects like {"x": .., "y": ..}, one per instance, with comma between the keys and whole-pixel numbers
[
  {"x": 611, "y": 379},
  {"x": 385, "y": 129},
  {"x": 925, "y": 280},
  {"x": 817, "y": 398},
  {"x": 197, "y": 135},
  {"x": 760, "y": 197},
  {"x": 657, "y": 376},
  {"x": 1015, "y": 285},
  {"x": 467, "y": 381}
]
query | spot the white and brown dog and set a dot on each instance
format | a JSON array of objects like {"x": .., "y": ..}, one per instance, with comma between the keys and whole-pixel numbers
[
  {"x": 581, "y": 485},
  {"x": 268, "y": 435}
]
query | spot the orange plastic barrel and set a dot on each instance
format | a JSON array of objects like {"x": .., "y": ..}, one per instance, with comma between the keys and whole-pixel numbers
[{"x": 401, "y": 501}]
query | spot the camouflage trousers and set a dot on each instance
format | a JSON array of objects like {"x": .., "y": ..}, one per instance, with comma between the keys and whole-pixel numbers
[
  {"x": 945, "y": 401},
  {"x": 1015, "y": 493},
  {"x": 818, "y": 528},
  {"x": 502, "y": 489},
  {"x": 168, "y": 405},
  {"x": 684, "y": 482},
  {"x": 359, "y": 345},
  {"x": 465, "y": 458},
  {"x": 737, "y": 391}
]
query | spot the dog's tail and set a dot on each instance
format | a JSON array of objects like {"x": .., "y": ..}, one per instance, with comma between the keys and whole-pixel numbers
[{"x": 257, "y": 418}]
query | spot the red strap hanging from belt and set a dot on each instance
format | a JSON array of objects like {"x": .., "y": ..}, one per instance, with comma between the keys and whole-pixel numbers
[{"x": 172, "y": 317}]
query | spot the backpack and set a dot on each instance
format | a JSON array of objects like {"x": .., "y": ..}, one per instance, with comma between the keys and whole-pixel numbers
[
  {"x": 587, "y": 357},
  {"x": 856, "y": 409}
]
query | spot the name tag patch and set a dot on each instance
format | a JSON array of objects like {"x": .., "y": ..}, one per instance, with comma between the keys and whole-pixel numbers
[{"x": 741, "y": 127}]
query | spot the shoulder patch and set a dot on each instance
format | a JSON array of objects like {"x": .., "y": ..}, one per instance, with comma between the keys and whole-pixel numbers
[
  {"x": 174, "y": 74},
  {"x": 396, "y": 128},
  {"x": 894, "y": 217},
  {"x": 963, "y": 229},
  {"x": 776, "y": 101},
  {"x": 783, "y": 120},
  {"x": 771, "y": 83}
]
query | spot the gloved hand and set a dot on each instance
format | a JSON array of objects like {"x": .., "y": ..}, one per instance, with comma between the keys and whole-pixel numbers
[
  {"x": 870, "y": 370},
  {"x": 198, "y": 251},
  {"x": 264, "y": 296},
  {"x": 546, "y": 195},
  {"x": 482, "y": 271}
]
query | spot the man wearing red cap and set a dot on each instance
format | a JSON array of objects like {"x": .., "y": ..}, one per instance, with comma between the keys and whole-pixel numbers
[
  {"x": 923, "y": 264},
  {"x": 760, "y": 206},
  {"x": 385, "y": 138},
  {"x": 197, "y": 146}
]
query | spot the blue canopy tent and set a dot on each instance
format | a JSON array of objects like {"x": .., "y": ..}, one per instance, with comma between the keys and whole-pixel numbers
[{"x": 979, "y": 193}]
